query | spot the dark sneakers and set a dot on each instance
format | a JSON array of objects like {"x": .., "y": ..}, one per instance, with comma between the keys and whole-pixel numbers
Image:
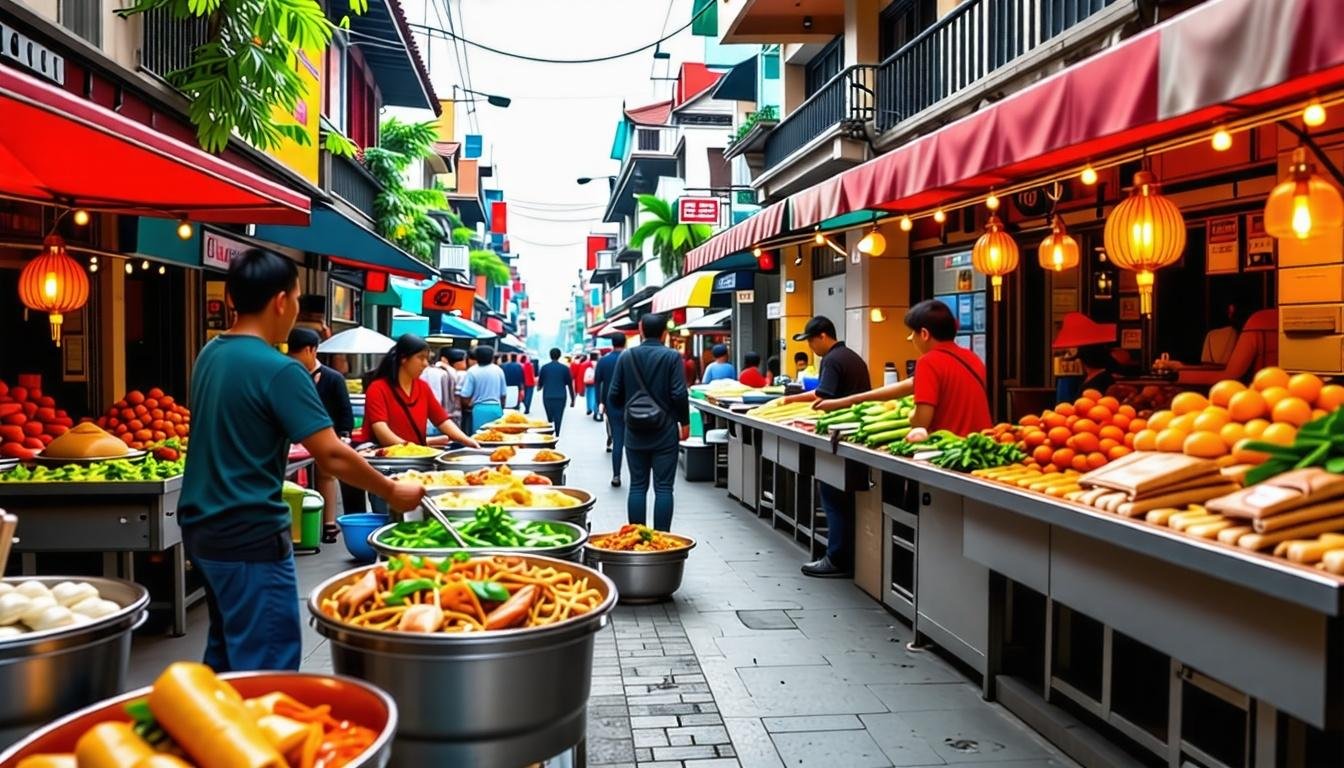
[
  {"x": 825, "y": 569},
  {"x": 616, "y": 482}
]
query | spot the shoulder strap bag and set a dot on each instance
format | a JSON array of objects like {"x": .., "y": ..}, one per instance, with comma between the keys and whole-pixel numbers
[{"x": 643, "y": 412}]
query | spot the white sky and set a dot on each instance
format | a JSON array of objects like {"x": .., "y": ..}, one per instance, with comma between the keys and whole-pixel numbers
[{"x": 560, "y": 124}]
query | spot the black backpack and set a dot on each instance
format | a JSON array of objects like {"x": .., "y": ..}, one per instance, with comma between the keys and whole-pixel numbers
[{"x": 643, "y": 412}]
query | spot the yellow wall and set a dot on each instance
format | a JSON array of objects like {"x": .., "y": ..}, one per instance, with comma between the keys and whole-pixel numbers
[
  {"x": 883, "y": 283},
  {"x": 796, "y": 307},
  {"x": 303, "y": 158}
]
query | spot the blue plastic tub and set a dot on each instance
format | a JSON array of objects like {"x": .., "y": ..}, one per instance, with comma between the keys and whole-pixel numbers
[{"x": 355, "y": 530}]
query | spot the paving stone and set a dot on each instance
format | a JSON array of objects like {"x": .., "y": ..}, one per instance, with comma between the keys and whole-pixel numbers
[
  {"x": 901, "y": 743},
  {"x": 608, "y": 726},
  {"x": 975, "y": 735},
  {"x": 652, "y": 737},
  {"x": 700, "y": 719},
  {"x": 716, "y": 763},
  {"x": 909, "y": 698},
  {"x": 811, "y": 690},
  {"x": 752, "y": 744},
  {"x": 868, "y": 668},
  {"x": 639, "y": 722},
  {"x": 680, "y": 741},
  {"x": 775, "y": 619},
  {"x": 726, "y": 750},
  {"x": 812, "y": 723},
  {"x": 684, "y": 753},
  {"x": 643, "y": 755},
  {"x": 706, "y": 734},
  {"x": 665, "y": 709},
  {"x": 603, "y": 751},
  {"x": 826, "y": 749}
]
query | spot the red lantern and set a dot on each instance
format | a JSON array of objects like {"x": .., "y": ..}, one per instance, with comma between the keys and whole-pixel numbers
[
  {"x": 765, "y": 260},
  {"x": 53, "y": 283}
]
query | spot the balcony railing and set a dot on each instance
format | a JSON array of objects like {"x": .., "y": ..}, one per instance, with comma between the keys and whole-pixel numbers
[
  {"x": 651, "y": 140},
  {"x": 975, "y": 39},
  {"x": 169, "y": 41},
  {"x": 345, "y": 178},
  {"x": 845, "y": 100}
]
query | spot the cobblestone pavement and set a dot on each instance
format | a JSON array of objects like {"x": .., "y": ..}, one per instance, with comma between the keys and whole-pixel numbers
[{"x": 752, "y": 665}]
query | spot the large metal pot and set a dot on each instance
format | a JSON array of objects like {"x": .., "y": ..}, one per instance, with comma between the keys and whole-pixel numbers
[
  {"x": 390, "y": 465},
  {"x": 571, "y": 551},
  {"x": 47, "y": 674},
  {"x": 472, "y": 458},
  {"x": 524, "y": 440},
  {"x": 349, "y": 699},
  {"x": 479, "y": 495},
  {"x": 642, "y": 577},
  {"x": 477, "y": 687}
]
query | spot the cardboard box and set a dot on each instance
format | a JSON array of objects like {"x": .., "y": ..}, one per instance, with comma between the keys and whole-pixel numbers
[
  {"x": 1314, "y": 354},
  {"x": 1311, "y": 285},
  {"x": 868, "y": 540}
]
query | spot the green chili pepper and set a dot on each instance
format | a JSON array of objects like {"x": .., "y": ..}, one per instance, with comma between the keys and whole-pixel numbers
[
  {"x": 139, "y": 710},
  {"x": 405, "y": 589},
  {"x": 491, "y": 591}
]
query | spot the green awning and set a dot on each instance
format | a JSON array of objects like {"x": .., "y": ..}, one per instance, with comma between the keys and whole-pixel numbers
[
  {"x": 347, "y": 242},
  {"x": 157, "y": 239},
  {"x": 388, "y": 298},
  {"x": 705, "y": 21}
]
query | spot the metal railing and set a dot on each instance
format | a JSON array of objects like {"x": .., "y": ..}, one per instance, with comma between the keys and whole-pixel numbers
[
  {"x": 169, "y": 42},
  {"x": 652, "y": 140},
  {"x": 975, "y": 39},
  {"x": 345, "y": 178},
  {"x": 846, "y": 99}
]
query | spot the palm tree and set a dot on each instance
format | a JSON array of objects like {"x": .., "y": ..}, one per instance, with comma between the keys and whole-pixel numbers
[
  {"x": 671, "y": 240},
  {"x": 403, "y": 213}
]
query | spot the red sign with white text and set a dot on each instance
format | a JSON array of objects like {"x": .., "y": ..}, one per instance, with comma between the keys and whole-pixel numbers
[{"x": 698, "y": 210}]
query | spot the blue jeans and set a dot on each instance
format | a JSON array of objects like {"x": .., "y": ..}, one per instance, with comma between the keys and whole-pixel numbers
[
  {"x": 590, "y": 395},
  {"x": 839, "y": 508},
  {"x": 555, "y": 411},
  {"x": 662, "y": 463},
  {"x": 254, "y": 614},
  {"x": 527, "y": 398},
  {"x": 484, "y": 413},
  {"x": 616, "y": 428}
]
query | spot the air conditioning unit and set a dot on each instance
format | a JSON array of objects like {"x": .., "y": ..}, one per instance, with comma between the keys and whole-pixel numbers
[{"x": 454, "y": 258}]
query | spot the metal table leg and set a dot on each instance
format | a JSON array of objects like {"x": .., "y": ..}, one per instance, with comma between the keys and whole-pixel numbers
[{"x": 179, "y": 590}]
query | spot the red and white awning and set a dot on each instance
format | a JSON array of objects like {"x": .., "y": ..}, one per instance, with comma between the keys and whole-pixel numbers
[
  {"x": 1211, "y": 63},
  {"x": 739, "y": 237}
]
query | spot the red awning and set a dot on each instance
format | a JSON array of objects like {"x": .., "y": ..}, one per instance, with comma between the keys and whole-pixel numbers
[
  {"x": 58, "y": 148},
  {"x": 739, "y": 237},
  {"x": 1211, "y": 63}
]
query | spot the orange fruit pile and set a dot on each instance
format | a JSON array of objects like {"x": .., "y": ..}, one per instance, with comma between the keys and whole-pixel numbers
[
  {"x": 1082, "y": 435},
  {"x": 147, "y": 418}
]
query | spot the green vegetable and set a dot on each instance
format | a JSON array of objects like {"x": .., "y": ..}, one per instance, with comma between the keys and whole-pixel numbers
[
  {"x": 1319, "y": 443},
  {"x": 491, "y": 526},
  {"x": 116, "y": 470},
  {"x": 139, "y": 710},
  {"x": 491, "y": 591},
  {"x": 405, "y": 589}
]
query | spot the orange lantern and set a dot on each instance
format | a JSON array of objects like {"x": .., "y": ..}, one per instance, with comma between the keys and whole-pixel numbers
[
  {"x": 995, "y": 254},
  {"x": 1145, "y": 233},
  {"x": 53, "y": 283},
  {"x": 1058, "y": 250},
  {"x": 1304, "y": 205}
]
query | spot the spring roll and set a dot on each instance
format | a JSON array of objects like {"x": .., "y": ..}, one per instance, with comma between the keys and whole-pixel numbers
[
  {"x": 207, "y": 719},
  {"x": 283, "y": 733},
  {"x": 49, "y": 761},
  {"x": 111, "y": 745}
]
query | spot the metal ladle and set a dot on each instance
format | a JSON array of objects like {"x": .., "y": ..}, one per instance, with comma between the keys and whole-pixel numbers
[{"x": 432, "y": 507}]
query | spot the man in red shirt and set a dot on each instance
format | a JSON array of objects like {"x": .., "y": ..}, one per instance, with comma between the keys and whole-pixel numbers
[
  {"x": 576, "y": 373},
  {"x": 949, "y": 381},
  {"x": 529, "y": 382}
]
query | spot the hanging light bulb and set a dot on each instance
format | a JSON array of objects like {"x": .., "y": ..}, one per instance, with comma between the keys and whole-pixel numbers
[
  {"x": 992, "y": 202},
  {"x": 93, "y": 259},
  {"x": 184, "y": 229},
  {"x": 1058, "y": 251},
  {"x": 130, "y": 268},
  {"x": 1304, "y": 205},
  {"x": 163, "y": 270},
  {"x": 877, "y": 315},
  {"x": 1145, "y": 233},
  {"x": 144, "y": 264},
  {"x": 873, "y": 243},
  {"x": 818, "y": 238},
  {"x": 1222, "y": 140},
  {"x": 93, "y": 266},
  {"x": 1314, "y": 115},
  {"x": 756, "y": 252},
  {"x": 53, "y": 283},
  {"x": 995, "y": 254},
  {"x": 81, "y": 217},
  {"x": 1088, "y": 176},
  {"x": 939, "y": 216},
  {"x": 906, "y": 224}
]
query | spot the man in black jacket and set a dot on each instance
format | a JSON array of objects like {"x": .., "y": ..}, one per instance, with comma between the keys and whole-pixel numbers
[
  {"x": 605, "y": 371},
  {"x": 336, "y": 398},
  {"x": 654, "y": 369}
]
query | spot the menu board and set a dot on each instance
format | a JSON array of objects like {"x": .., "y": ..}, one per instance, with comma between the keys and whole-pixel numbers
[{"x": 962, "y": 289}]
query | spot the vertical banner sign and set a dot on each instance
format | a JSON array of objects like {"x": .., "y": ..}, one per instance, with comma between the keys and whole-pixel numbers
[
  {"x": 698, "y": 210},
  {"x": 1260, "y": 246},
  {"x": 1221, "y": 254},
  {"x": 595, "y": 244},
  {"x": 499, "y": 212},
  {"x": 472, "y": 148}
]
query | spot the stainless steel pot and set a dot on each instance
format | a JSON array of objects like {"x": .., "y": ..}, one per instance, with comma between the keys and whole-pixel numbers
[
  {"x": 641, "y": 577},
  {"x": 479, "y": 495},
  {"x": 391, "y": 465},
  {"x": 514, "y": 429},
  {"x": 474, "y": 687},
  {"x": 524, "y": 440},
  {"x": 47, "y": 674},
  {"x": 348, "y": 697},
  {"x": 571, "y": 551},
  {"x": 472, "y": 458}
]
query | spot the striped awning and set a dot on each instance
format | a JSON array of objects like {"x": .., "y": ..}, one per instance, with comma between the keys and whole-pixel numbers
[
  {"x": 689, "y": 291},
  {"x": 743, "y": 236}
]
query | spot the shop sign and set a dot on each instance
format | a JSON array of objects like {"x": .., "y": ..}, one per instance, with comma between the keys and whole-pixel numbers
[
  {"x": 746, "y": 297},
  {"x": 1221, "y": 254},
  {"x": 1260, "y": 246},
  {"x": 698, "y": 210},
  {"x": 218, "y": 251},
  {"x": 31, "y": 55},
  {"x": 774, "y": 310},
  {"x": 726, "y": 282},
  {"x": 789, "y": 286}
]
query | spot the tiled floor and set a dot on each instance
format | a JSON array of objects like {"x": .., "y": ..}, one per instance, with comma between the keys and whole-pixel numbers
[{"x": 751, "y": 666}]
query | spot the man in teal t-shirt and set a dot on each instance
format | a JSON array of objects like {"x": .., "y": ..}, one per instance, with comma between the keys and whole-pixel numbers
[{"x": 249, "y": 403}]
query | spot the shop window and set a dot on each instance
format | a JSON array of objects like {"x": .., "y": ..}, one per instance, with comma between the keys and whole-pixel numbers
[
  {"x": 770, "y": 63},
  {"x": 720, "y": 175},
  {"x": 903, "y": 21},
  {"x": 84, "y": 18},
  {"x": 335, "y": 106},
  {"x": 825, "y": 65}
]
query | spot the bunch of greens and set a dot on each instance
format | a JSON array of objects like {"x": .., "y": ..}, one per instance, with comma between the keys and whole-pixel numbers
[
  {"x": 491, "y": 526},
  {"x": 1319, "y": 443},
  {"x": 149, "y": 469},
  {"x": 976, "y": 451}
]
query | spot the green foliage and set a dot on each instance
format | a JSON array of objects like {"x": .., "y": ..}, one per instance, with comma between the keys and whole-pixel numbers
[
  {"x": 463, "y": 235},
  {"x": 402, "y": 213},
  {"x": 245, "y": 69},
  {"x": 671, "y": 241},
  {"x": 338, "y": 145},
  {"x": 488, "y": 263},
  {"x": 766, "y": 113}
]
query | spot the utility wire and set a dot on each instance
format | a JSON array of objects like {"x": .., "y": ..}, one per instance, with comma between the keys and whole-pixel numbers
[
  {"x": 549, "y": 207},
  {"x": 523, "y": 214},
  {"x": 574, "y": 244},
  {"x": 466, "y": 54},
  {"x": 543, "y": 60}
]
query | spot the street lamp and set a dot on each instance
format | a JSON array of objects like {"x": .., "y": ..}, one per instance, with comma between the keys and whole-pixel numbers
[
  {"x": 493, "y": 100},
  {"x": 611, "y": 180}
]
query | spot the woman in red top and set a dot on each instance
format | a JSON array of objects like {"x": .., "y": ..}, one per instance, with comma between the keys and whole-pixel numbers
[
  {"x": 399, "y": 404},
  {"x": 751, "y": 371}
]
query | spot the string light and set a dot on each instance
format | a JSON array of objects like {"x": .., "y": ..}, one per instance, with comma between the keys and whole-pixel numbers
[
  {"x": 1088, "y": 176},
  {"x": 1314, "y": 115},
  {"x": 873, "y": 243},
  {"x": 877, "y": 315},
  {"x": 939, "y": 216},
  {"x": 184, "y": 229},
  {"x": 130, "y": 268},
  {"x": 992, "y": 202},
  {"x": 144, "y": 264},
  {"x": 1303, "y": 205},
  {"x": 1222, "y": 140},
  {"x": 906, "y": 224},
  {"x": 81, "y": 217},
  {"x": 163, "y": 270}
]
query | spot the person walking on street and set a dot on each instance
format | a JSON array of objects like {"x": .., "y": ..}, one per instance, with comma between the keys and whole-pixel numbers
[
  {"x": 649, "y": 386},
  {"x": 720, "y": 368},
  {"x": 483, "y": 389},
  {"x": 576, "y": 374},
  {"x": 843, "y": 373},
  {"x": 249, "y": 403},
  {"x": 513, "y": 377},
  {"x": 336, "y": 399},
  {"x": 590, "y": 387},
  {"x": 454, "y": 361},
  {"x": 529, "y": 383},
  {"x": 556, "y": 383},
  {"x": 606, "y": 371}
]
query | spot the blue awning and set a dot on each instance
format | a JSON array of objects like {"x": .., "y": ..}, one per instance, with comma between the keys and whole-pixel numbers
[
  {"x": 345, "y": 241},
  {"x": 740, "y": 82},
  {"x": 452, "y": 325}
]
